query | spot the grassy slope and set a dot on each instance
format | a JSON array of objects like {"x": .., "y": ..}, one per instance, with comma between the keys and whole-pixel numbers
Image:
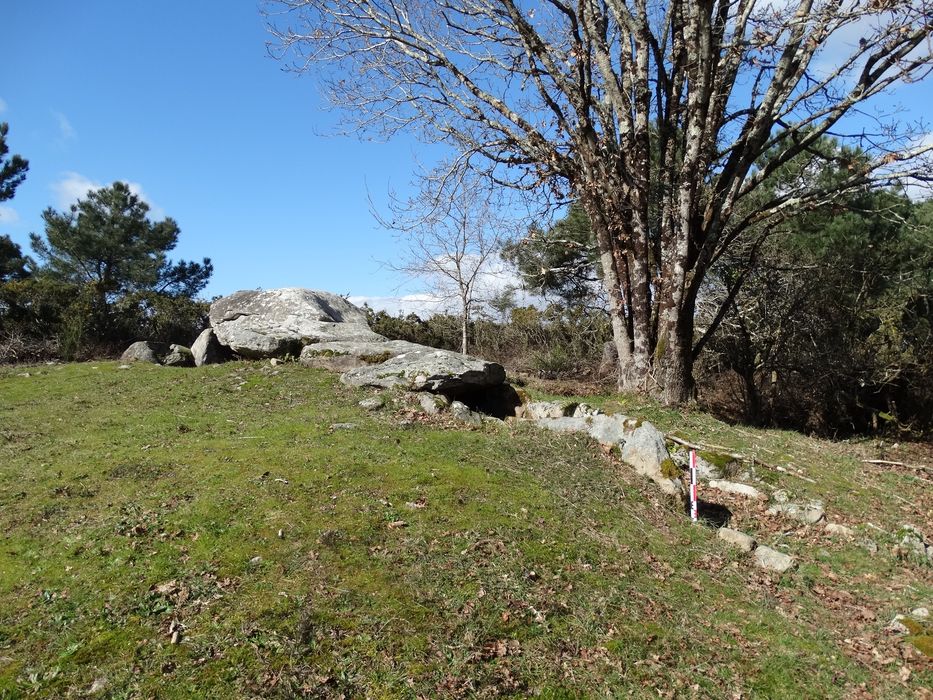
[{"x": 134, "y": 503}]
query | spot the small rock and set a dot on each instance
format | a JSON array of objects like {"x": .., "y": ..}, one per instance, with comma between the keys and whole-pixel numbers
[
  {"x": 913, "y": 543},
  {"x": 548, "y": 409},
  {"x": 810, "y": 513},
  {"x": 705, "y": 470},
  {"x": 207, "y": 350},
  {"x": 780, "y": 496},
  {"x": 738, "y": 539},
  {"x": 462, "y": 413},
  {"x": 433, "y": 404},
  {"x": 342, "y": 426},
  {"x": 178, "y": 356},
  {"x": 837, "y": 529},
  {"x": 736, "y": 488},
  {"x": 565, "y": 425},
  {"x": 144, "y": 351},
  {"x": 373, "y": 404},
  {"x": 773, "y": 560},
  {"x": 255, "y": 561},
  {"x": 98, "y": 686},
  {"x": 584, "y": 410},
  {"x": 123, "y": 367},
  {"x": 897, "y": 625}
]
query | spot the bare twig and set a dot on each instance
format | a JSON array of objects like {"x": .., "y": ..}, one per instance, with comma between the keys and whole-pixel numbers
[
  {"x": 723, "y": 451},
  {"x": 888, "y": 463}
]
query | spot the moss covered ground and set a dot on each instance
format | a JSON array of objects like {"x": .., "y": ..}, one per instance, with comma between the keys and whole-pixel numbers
[{"x": 248, "y": 531}]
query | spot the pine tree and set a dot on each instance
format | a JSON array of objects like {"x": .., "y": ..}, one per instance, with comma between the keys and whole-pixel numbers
[
  {"x": 12, "y": 170},
  {"x": 13, "y": 265},
  {"x": 107, "y": 241}
]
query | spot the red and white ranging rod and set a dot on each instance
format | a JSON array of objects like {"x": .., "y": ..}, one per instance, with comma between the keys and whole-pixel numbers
[{"x": 694, "y": 510}]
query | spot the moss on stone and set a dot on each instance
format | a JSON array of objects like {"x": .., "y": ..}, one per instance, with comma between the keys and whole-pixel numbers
[
  {"x": 923, "y": 642},
  {"x": 569, "y": 407},
  {"x": 727, "y": 465},
  {"x": 376, "y": 358},
  {"x": 717, "y": 459},
  {"x": 669, "y": 469}
]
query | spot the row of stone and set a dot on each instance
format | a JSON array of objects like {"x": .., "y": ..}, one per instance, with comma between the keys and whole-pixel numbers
[
  {"x": 206, "y": 350},
  {"x": 641, "y": 445}
]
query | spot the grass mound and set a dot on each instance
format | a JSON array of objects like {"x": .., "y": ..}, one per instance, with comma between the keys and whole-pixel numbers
[{"x": 241, "y": 530}]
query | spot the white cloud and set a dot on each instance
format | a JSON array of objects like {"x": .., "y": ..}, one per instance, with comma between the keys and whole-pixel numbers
[
  {"x": 422, "y": 304},
  {"x": 919, "y": 190},
  {"x": 497, "y": 277},
  {"x": 3, "y": 105},
  {"x": 8, "y": 215},
  {"x": 73, "y": 186},
  {"x": 66, "y": 131}
]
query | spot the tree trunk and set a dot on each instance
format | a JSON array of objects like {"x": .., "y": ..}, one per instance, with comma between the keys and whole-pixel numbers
[
  {"x": 464, "y": 324},
  {"x": 673, "y": 359},
  {"x": 752, "y": 395}
]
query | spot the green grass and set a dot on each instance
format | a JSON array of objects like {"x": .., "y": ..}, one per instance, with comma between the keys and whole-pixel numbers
[{"x": 221, "y": 503}]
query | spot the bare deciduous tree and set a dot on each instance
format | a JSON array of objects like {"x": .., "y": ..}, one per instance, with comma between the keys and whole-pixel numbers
[
  {"x": 449, "y": 233},
  {"x": 654, "y": 114}
]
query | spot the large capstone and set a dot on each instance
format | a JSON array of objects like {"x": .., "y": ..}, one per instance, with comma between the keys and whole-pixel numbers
[
  {"x": 343, "y": 355},
  {"x": 425, "y": 369},
  {"x": 279, "y": 322}
]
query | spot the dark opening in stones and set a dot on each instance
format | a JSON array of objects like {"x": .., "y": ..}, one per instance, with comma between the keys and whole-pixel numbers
[
  {"x": 498, "y": 401},
  {"x": 714, "y": 515}
]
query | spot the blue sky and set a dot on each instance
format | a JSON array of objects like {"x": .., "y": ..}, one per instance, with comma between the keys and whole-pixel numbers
[{"x": 181, "y": 99}]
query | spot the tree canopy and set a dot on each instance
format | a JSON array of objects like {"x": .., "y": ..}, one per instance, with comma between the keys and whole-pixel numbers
[
  {"x": 13, "y": 169},
  {"x": 832, "y": 328},
  {"x": 106, "y": 240},
  {"x": 560, "y": 260},
  {"x": 13, "y": 264},
  {"x": 654, "y": 115}
]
